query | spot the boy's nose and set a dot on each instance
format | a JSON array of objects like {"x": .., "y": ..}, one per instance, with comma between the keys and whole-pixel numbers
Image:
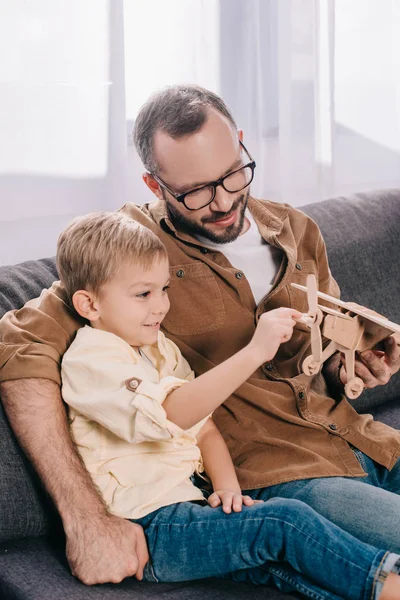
[{"x": 160, "y": 308}]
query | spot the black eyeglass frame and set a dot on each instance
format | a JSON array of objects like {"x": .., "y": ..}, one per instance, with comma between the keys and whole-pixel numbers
[{"x": 214, "y": 184}]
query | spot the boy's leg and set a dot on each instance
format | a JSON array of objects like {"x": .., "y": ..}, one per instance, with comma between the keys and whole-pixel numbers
[
  {"x": 284, "y": 577},
  {"x": 187, "y": 541},
  {"x": 361, "y": 506}
]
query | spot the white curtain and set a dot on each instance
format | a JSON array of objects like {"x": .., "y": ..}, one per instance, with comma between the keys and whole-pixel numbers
[
  {"x": 62, "y": 119},
  {"x": 315, "y": 84}
]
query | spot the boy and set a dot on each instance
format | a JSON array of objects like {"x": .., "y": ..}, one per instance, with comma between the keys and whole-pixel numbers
[{"x": 141, "y": 424}]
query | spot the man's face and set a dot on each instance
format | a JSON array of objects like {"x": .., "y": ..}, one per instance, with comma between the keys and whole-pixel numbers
[{"x": 195, "y": 160}]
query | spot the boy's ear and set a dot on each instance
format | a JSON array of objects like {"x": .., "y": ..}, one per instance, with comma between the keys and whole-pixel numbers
[
  {"x": 152, "y": 185},
  {"x": 240, "y": 133},
  {"x": 85, "y": 305}
]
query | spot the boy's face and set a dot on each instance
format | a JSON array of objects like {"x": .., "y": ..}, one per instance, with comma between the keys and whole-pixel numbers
[{"x": 134, "y": 302}]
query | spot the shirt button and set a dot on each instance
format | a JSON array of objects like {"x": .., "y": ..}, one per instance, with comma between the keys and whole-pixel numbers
[
  {"x": 269, "y": 366},
  {"x": 298, "y": 266},
  {"x": 180, "y": 273},
  {"x": 239, "y": 275},
  {"x": 301, "y": 395},
  {"x": 133, "y": 385},
  {"x": 333, "y": 426},
  {"x": 203, "y": 250}
]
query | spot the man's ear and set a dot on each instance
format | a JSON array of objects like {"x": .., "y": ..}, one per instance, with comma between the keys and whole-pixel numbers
[
  {"x": 85, "y": 305},
  {"x": 240, "y": 134},
  {"x": 152, "y": 185}
]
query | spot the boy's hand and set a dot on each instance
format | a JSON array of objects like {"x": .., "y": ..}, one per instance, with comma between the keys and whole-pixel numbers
[
  {"x": 230, "y": 500},
  {"x": 273, "y": 329}
]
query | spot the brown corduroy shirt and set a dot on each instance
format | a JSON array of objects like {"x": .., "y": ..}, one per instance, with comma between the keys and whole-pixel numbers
[{"x": 280, "y": 425}]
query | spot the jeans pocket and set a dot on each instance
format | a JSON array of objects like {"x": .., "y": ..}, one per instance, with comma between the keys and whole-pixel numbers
[
  {"x": 360, "y": 457},
  {"x": 148, "y": 573}
]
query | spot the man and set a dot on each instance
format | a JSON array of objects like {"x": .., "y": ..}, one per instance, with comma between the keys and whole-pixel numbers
[{"x": 232, "y": 258}]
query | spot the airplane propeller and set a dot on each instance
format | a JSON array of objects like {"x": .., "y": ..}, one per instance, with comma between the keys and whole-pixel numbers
[{"x": 316, "y": 316}]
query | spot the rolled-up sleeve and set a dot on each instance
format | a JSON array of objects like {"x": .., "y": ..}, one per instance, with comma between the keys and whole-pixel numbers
[{"x": 150, "y": 419}]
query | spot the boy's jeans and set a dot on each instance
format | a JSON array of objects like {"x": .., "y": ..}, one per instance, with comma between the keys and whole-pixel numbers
[
  {"x": 282, "y": 542},
  {"x": 367, "y": 507}
]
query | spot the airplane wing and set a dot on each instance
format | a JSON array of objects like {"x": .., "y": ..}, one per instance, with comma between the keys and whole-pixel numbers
[{"x": 362, "y": 311}]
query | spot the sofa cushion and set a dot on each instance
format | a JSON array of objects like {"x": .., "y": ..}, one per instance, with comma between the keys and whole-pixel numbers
[
  {"x": 363, "y": 243},
  {"x": 33, "y": 569}
]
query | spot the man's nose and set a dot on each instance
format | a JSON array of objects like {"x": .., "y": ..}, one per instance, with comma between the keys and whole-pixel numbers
[{"x": 223, "y": 200}]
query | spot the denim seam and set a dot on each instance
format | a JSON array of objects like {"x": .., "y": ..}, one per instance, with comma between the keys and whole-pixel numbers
[
  {"x": 149, "y": 566},
  {"x": 295, "y": 584},
  {"x": 361, "y": 459}
]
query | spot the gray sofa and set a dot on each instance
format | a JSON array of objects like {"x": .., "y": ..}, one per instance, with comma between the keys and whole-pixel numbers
[{"x": 362, "y": 233}]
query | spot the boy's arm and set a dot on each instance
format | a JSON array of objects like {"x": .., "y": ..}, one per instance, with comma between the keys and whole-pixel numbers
[
  {"x": 219, "y": 468},
  {"x": 189, "y": 404}
]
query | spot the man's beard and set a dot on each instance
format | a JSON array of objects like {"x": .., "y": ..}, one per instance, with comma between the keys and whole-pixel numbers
[{"x": 228, "y": 234}]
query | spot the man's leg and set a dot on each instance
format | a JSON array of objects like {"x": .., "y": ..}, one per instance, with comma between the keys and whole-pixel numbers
[
  {"x": 368, "y": 508},
  {"x": 280, "y": 541},
  {"x": 380, "y": 476}
]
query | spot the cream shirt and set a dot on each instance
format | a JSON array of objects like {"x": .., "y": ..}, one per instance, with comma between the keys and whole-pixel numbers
[{"x": 139, "y": 460}]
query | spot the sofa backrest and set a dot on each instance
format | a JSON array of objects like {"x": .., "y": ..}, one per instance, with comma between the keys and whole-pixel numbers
[
  {"x": 24, "y": 508},
  {"x": 362, "y": 235}
]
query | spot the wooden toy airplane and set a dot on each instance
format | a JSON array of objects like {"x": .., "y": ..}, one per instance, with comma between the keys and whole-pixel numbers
[{"x": 356, "y": 329}]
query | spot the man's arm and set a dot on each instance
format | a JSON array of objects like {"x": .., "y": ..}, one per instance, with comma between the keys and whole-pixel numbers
[{"x": 100, "y": 547}]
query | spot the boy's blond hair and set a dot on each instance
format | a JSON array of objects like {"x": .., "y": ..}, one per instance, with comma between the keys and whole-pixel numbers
[{"x": 93, "y": 247}]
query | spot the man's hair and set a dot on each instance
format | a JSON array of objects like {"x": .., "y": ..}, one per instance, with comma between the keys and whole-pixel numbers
[
  {"x": 93, "y": 247},
  {"x": 177, "y": 110}
]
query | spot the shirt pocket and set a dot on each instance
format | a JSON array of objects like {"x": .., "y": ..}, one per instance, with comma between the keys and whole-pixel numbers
[
  {"x": 197, "y": 305},
  {"x": 298, "y": 298}
]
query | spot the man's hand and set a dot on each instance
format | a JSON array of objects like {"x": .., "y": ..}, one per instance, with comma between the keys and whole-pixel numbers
[
  {"x": 230, "y": 500},
  {"x": 375, "y": 367},
  {"x": 106, "y": 550}
]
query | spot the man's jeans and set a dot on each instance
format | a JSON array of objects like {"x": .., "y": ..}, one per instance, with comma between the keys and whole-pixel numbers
[
  {"x": 282, "y": 542},
  {"x": 367, "y": 507}
]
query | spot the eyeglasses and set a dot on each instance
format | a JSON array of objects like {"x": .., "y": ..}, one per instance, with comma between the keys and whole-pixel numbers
[{"x": 202, "y": 196}]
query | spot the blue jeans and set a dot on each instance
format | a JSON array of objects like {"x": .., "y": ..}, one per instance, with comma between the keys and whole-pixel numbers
[
  {"x": 280, "y": 542},
  {"x": 367, "y": 507}
]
